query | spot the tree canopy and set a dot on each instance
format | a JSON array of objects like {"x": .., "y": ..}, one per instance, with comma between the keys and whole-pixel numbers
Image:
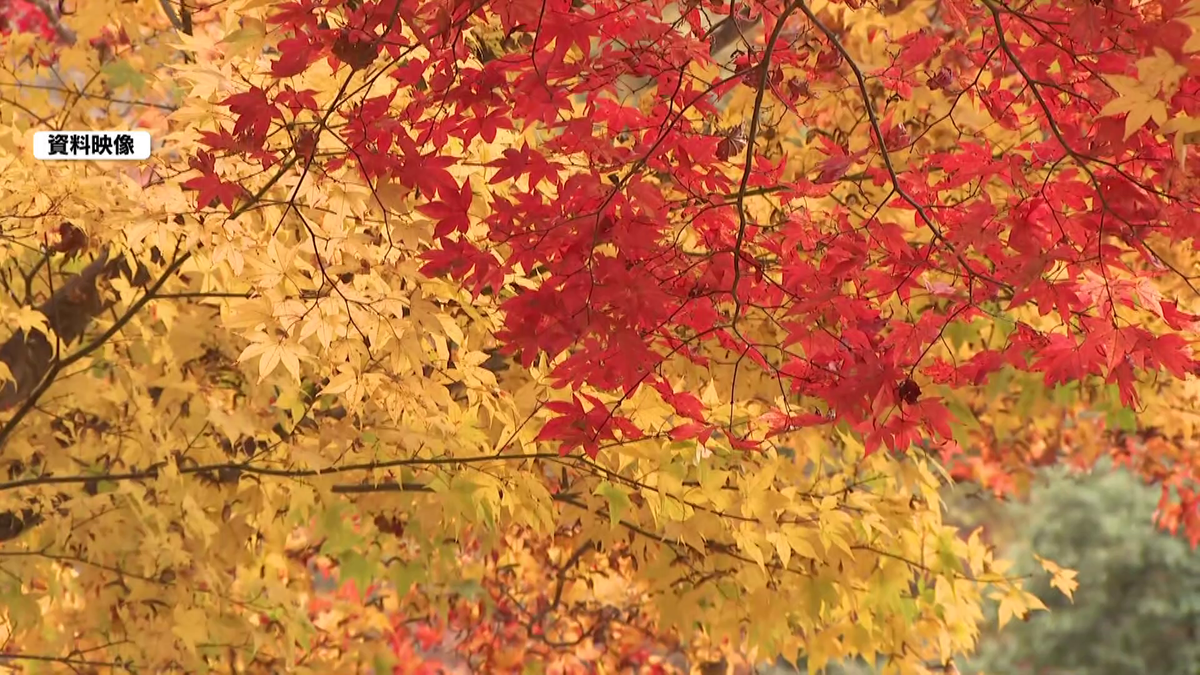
[{"x": 444, "y": 297}]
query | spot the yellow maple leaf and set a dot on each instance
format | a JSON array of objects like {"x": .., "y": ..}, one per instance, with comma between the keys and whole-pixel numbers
[
  {"x": 190, "y": 627},
  {"x": 273, "y": 352},
  {"x": 1061, "y": 578},
  {"x": 28, "y": 319}
]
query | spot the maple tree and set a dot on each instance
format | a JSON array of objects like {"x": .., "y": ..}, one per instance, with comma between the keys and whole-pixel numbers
[{"x": 754, "y": 285}]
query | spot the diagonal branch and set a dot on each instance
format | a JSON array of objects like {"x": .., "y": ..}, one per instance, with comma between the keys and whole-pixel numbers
[
  {"x": 72, "y": 308},
  {"x": 893, "y": 176},
  {"x": 68, "y": 312}
]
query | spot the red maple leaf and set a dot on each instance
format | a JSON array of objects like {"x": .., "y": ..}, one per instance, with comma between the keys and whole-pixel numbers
[
  {"x": 295, "y": 55},
  {"x": 626, "y": 211},
  {"x": 516, "y": 163},
  {"x": 451, "y": 216},
  {"x": 254, "y": 113},
  {"x": 212, "y": 189}
]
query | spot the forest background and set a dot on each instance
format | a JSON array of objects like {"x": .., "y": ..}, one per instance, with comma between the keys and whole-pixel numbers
[{"x": 600, "y": 337}]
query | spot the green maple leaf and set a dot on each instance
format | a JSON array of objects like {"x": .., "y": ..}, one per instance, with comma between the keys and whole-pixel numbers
[{"x": 121, "y": 74}]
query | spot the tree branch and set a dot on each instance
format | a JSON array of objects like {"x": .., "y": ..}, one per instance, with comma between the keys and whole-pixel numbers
[
  {"x": 69, "y": 311},
  {"x": 32, "y": 359}
]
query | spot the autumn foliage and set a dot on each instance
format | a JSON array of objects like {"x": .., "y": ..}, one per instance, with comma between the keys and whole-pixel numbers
[
  {"x": 604, "y": 316},
  {"x": 24, "y": 17}
]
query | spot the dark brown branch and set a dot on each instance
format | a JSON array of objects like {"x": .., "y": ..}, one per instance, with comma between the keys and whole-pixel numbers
[
  {"x": 69, "y": 311},
  {"x": 63, "y": 660},
  {"x": 538, "y": 620},
  {"x": 247, "y": 468},
  {"x": 62, "y": 34},
  {"x": 873, "y": 118}
]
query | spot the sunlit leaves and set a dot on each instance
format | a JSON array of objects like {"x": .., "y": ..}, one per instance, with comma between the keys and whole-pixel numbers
[
  {"x": 272, "y": 352},
  {"x": 462, "y": 325}
]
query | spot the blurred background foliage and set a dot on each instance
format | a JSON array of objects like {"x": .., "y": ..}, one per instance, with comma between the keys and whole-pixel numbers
[{"x": 1137, "y": 609}]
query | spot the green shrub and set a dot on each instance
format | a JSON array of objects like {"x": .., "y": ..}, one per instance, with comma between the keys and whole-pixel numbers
[{"x": 1137, "y": 609}]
